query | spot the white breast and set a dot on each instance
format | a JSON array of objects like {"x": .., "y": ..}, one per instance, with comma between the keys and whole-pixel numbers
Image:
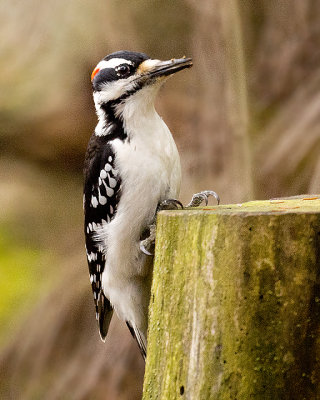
[{"x": 149, "y": 166}]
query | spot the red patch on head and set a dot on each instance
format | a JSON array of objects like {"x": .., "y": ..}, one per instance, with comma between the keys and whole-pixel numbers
[{"x": 94, "y": 73}]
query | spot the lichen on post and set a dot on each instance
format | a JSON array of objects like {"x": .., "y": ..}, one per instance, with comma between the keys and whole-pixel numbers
[{"x": 235, "y": 304}]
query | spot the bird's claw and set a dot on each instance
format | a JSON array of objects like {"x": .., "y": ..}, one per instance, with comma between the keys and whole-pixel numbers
[
  {"x": 170, "y": 204},
  {"x": 144, "y": 250},
  {"x": 198, "y": 198},
  {"x": 147, "y": 244}
]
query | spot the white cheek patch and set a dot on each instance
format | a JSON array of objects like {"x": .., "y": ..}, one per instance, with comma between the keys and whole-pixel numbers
[
  {"x": 113, "y": 63},
  {"x": 113, "y": 90}
]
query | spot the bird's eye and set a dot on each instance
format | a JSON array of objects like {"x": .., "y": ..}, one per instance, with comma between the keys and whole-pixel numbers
[{"x": 123, "y": 70}]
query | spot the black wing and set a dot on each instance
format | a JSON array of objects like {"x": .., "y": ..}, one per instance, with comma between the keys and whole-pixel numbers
[{"x": 101, "y": 197}]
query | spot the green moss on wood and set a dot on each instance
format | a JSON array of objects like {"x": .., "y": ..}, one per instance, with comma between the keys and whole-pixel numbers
[{"x": 235, "y": 307}]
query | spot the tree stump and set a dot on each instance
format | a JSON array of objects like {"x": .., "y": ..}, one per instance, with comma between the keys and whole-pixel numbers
[{"x": 235, "y": 304}]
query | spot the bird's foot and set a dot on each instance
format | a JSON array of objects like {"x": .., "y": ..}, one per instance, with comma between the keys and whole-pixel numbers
[
  {"x": 147, "y": 244},
  {"x": 149, "y": 235},
  {"x": 169, "y": 204},
  {"x": 198, "y": 198}
]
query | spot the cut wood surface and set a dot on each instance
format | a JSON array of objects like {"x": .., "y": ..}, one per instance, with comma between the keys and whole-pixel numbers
[{"x": 235, "y": 304}]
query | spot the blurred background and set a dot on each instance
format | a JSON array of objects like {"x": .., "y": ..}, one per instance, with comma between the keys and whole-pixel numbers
[{"x": 245, "y": 118}]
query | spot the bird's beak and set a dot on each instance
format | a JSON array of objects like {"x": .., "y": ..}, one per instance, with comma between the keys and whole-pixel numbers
[{"x": 157, "y": 68}]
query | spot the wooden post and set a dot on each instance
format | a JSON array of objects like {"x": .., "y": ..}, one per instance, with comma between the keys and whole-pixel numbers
[{"x": 235, "y": 304}]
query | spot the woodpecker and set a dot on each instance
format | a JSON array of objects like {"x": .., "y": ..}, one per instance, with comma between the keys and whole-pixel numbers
[{"x": 132, "y": 167}]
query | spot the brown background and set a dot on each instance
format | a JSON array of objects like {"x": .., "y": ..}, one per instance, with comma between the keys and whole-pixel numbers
[{"x": 245, "y": 119}]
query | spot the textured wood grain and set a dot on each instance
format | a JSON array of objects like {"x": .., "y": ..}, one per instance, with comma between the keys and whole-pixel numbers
[{"x": 235, "y": 307}]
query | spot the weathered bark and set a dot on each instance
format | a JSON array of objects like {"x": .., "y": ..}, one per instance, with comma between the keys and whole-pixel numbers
[{"x": 235, "y": 307}]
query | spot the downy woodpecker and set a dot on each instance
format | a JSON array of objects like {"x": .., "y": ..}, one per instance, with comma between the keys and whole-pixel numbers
[{"x": 131, "y": 166}]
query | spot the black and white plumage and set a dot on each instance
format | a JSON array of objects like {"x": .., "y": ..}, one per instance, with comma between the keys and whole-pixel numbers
[
  {"x": 131, "y": 166},
  {"x": 101, "y": 195}
]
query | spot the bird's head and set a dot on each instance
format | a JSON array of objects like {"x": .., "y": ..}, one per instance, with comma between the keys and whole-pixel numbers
[{"x": 125, "y": 74}]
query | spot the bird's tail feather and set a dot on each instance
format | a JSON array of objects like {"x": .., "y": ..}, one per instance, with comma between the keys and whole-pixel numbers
[
  {"x": 140, "y": 338},
  {"x": 104, "y": 313}
]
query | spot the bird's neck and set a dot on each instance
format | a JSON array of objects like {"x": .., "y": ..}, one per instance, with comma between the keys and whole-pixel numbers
[
  {"x": 123, "y": 119},
  {"x": 110, "y": 125}
]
